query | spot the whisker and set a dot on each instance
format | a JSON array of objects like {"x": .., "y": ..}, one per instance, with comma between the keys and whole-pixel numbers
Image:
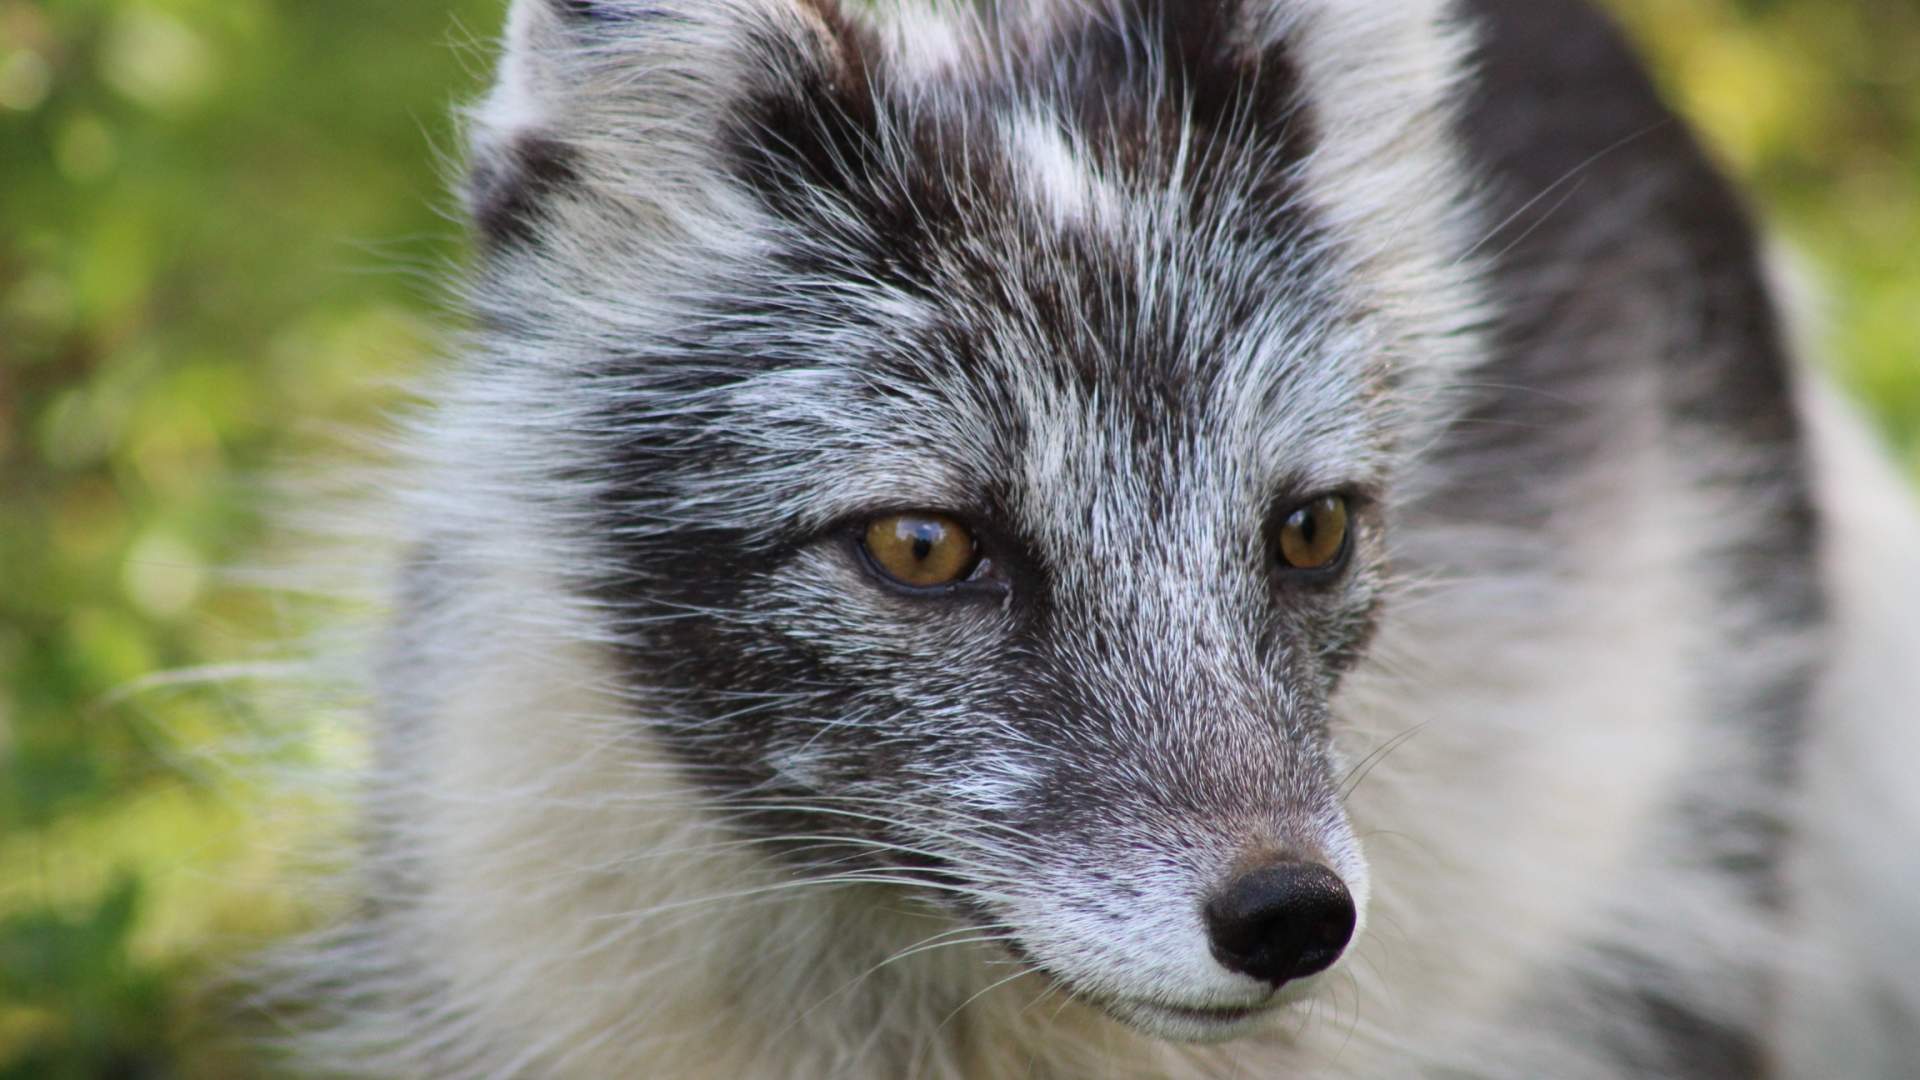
[
  {"x": 1595, "y": 158},
  {"x": 1379, "y": 753}
]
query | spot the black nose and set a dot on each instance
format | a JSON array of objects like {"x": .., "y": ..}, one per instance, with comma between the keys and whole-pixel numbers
[{"x": 1284, "y": 921}]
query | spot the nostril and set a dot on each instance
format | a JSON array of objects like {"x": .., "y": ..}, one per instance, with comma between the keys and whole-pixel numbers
[{"x": 1280, "y": 922}]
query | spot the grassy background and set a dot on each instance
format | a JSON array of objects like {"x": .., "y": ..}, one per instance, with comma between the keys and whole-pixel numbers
[{"x": 219, "y": 223}]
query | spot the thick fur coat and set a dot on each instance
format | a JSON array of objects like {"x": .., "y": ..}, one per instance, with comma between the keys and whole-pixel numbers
[{"x": 1602, "y": 723}]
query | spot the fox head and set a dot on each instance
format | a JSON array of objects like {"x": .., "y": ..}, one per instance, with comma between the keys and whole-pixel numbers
[{"x": 978, "y": 433}]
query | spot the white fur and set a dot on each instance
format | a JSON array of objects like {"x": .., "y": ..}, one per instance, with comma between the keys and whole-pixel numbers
[{"x": 1858, "y": 874}]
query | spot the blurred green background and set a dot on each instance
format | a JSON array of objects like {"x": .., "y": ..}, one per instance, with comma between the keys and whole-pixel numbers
[{"x": 220, "y": 226}]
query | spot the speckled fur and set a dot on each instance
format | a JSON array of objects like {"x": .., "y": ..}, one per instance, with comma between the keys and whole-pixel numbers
[{"x": 668, "y": 785}]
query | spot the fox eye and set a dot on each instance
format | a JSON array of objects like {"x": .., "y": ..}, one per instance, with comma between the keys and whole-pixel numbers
[
  {"x": 1314, "y": 536},
  {"x": 921, "y": 551}
]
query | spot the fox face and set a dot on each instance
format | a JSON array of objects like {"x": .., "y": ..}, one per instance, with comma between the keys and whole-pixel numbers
[{"x": 978, "y": 441}]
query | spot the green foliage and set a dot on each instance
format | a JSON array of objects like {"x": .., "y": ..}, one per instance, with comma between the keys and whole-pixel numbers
[
  {"x": 217, "y": 221},
  {"x": 1816, "y": 105},
  {"x": 219, "y": 225},
  {"x": 78, "y": 970}
]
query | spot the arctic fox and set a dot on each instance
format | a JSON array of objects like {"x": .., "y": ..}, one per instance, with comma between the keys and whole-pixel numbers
[{"x": 1125, "y": 538}]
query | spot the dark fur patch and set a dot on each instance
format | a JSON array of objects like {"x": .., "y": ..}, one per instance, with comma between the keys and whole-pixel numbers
[
  {"x": 1226, "y": 90},
  {"x": 511, "y": 189},
  {"x": 1208, "y": 95},
  {"x": 938, "y": 208},
  {"x": 1623, "y": 255},
  {"x": 1608, "y": 197},
  {"x": 1686, "y": 1039},
  {"x": 601, "y": 11}
]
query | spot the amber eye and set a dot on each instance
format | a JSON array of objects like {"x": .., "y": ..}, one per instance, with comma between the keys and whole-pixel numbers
[
  {"x": 1314, "y": 537},
  {"x": 921, "y": 550}
]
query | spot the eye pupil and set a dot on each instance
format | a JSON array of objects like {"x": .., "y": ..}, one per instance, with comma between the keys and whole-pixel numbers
[
  {"x": 1314, "y": 536},
  {"x": 920, "y": 550}
]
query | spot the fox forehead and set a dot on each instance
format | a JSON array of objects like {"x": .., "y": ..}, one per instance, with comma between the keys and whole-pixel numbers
[{"x": 1044, "y": 317}]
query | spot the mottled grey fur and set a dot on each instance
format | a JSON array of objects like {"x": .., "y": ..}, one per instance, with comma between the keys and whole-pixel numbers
[{"x": 670, "y": 783}]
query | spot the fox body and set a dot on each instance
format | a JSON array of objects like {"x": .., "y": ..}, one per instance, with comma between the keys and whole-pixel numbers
[{"x": 1563, "y": 751}]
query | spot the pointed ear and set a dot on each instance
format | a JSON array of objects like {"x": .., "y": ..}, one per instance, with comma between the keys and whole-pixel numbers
[{"x": 629, "y": 99}]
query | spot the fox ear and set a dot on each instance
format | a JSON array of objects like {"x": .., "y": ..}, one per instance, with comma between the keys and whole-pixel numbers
[{"x": 630, "y": 98}]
